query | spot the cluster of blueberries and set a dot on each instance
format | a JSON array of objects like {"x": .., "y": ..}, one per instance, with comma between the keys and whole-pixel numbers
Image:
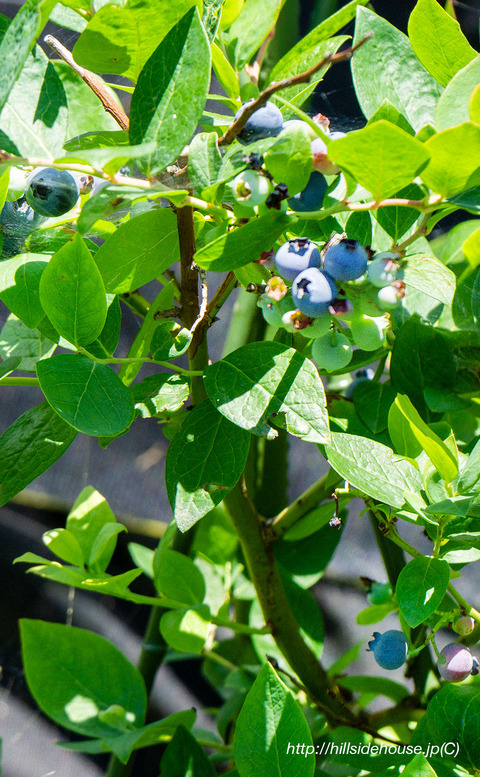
[
  {"x": 48, "y": 193},
  {"x": 455, "y": 664},
  {"x": 317, "y": 293},
  {"x": 251, "y": 188}
]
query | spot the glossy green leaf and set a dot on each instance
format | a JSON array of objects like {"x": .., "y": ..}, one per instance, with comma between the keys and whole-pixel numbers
[
  {"x": 293, "y": 64},
  {"x": 262, "y": 380},
  {"x": 160, "y": 394},
  {"x": 178, "y": 578},
  {"x": 290, "y": 159},
  {"x": 107, "y": 341},
  {"x": 241, "y": 246},
  {"x": 421, "y": 295},
  {"x": 372, "y": 403},
  {"x": 399, "y": 76},
  {"x": 186, "y": 630},
  {"x": 470, "y": 472},
  {"x": 372, "y": 468},
  {"x": 87, "y": 395},
  {"x": 75, "y": 675},
  {"x": 225, "y": 73},
  {"x": 9, "y": 365},
  {"x": 439, "y": 454},
  {"x": 124, "y": 744},
  {"x": 18, "y": 40},
  {"x": 106, "y": 202},
  {"x": 120, "y": 38},
  {"x": 421, "y": 357},
  {"x": 138, "y": 250},
  {"x": 30, "y": 446},
  {"x": 264, "y": 749},
  {"x": 453, "y": 715},
  {"x": 89, "y": 514},
  {"x": 421, "y": 586},
  {"x": 440, "y": 174},
  {"x": 72, "y": 293},
  {"x": 401, "y": 434},
  {"x": 438, "y": 41},
  {"x": 212, "y": 12},
  {"x": 386, "y": 111},
  {"x": 381, "y": 157},
  {"x": 396, "y": 220},
  {"x": 169, "y": 341},
  {"x": 19, "y": 282},
  {"x": 204, "y": 160},
  {"x": 250, "y": 29},
  {"x": 204, "y": 461},
  {"x": 17, "y": 340},
  {"x": 33, "y": 122},
  {"x": 170, "y": 96},
  {"x": 184, "y": 756},
  {"x": 65, "y": 545},
  {"x": 453, "y": 106},
  {"x": 380, "y": 686}
]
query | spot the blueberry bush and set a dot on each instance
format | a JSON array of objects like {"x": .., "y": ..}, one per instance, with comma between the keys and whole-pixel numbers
[{"x": 356, "y": 330}]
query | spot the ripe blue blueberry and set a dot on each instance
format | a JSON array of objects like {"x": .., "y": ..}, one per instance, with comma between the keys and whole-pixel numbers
[
  {"x": 266, "y": 122},
  {"x": 296, "y": 255},
  {"x": 250, "y": 189},
  {"x": 389, "y": 648},
  {"x": 345, "y": 260},
  {"x": 312, "y": 292},
  {"x": 458, "y": 663},
  {"x": 360, "y": 377},
  {"x": 311, "y": 198},
  {"x": 17, "y": 221},
  {"x": 51, "y": 192}
]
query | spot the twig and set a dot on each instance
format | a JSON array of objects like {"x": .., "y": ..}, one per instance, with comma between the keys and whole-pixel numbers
[
  {"x": 301, "y": 78},
  {"x": 203, "y": 301},
  {"x": 93, "y": 81}
]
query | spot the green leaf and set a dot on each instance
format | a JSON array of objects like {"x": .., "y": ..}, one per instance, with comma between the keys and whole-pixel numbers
[
  {"x": 204, "y": 462},
  {"x": 184, "y": 756},
  {"x": 290, "y": 159},
  {"x": 171, "y": 92},
  {"x": 18, "y": 40},
  {"x": 107, "y": 341},
  {"x": 372, "y": 403},
  {"x": 120, "y": 40},
  {"x": 421, "y": 357},
  {"x": 443, "y": 177},
  {"x": 421, "y": 586},
  {"x": 421, "y": 295},
  {"x": 65, "y": 545},
  {"x": 396, "y": 220},
  {"x": 87, "y": 395},
  {"x": 419, "y": 766},
  {"x": 225, "y": 73},
  {"x": 439, "y": 454},
  {"x": 9, "y": 365},
  {"x": 373, "y": 468},
  {"x": 19, "y": 282},
  {"x": 16, "y": 340},
  {"x": 212, "y": 11},
  {"x": 186, "y": 630},
  {"x": 88, "y": 516},
  {"x": 381, "y": 157},
  {"x": 264, "y": 749},
  {"x": 250, "y": 29},
  {"x": 438, "y": 41},
  {"x": 291, "y": 65},
  {"x": 204, "y": 160},
  {"x": 241, "y": 246},
  {"x": 106, "y": 202},
  {"x": 453, "y": 106},
  {"x": 399, "y": 76},
  {"x": 261, "y": 380},
  {"x": 30, "y": 446},
  {"x": 470, "y": 472},
  {"x": 169, "y": 341},
  {"x": 386, "y": 111},
  {"x": 124, "y": 744},
  {"x": 380, "y": 686},
  {"x": 178, "y": 578},
  {"x": 33, "y": 123},
  {"x": 312, "y": 48},
  {"x": 75, "y": 675},
  {"x": 401, "y": 434},
  {"x": 138, "y": 251},
  {"x": 160, "y": 394},
  {"x": 72, "y": 293}
]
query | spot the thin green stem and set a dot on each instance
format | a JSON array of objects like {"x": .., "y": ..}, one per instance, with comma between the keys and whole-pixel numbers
[
  {"x": 19, "y": 382},
  {"x": 141, "y": 360},
  {"x": 316, "y": 493},
  {"x": 136, "y": 302},
  {"x": 469, "y": 610}
]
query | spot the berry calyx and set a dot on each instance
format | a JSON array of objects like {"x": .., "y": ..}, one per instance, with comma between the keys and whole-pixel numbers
[{"x": 250, "y": 188}]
